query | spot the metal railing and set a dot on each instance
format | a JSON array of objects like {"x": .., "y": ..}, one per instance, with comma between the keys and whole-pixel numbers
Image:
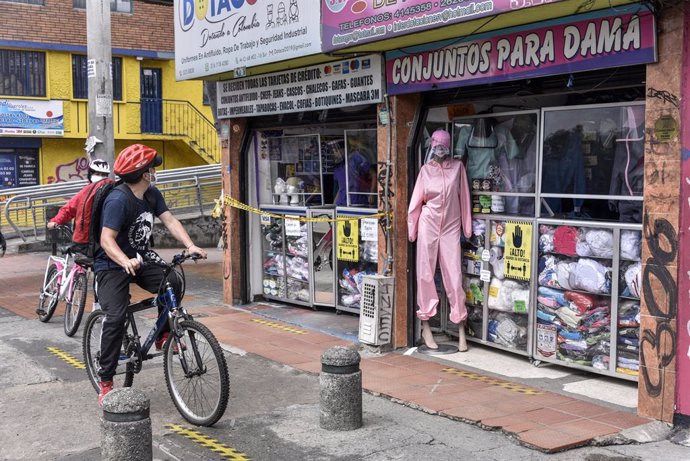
[
  {"x": 181, "y": 119},
  {"x": 186, "y": 191},
  {"x": 153, "y": 117}
]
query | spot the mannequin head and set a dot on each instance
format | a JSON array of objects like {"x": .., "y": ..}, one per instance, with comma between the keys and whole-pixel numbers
[{"x": 440, "y": 144}]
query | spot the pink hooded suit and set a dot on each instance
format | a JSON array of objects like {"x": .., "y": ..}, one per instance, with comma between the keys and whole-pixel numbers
[{"x": 439, "y": 210}]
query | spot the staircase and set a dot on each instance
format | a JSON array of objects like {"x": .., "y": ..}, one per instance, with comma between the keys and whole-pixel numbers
[{"x": 181, "y": 119}]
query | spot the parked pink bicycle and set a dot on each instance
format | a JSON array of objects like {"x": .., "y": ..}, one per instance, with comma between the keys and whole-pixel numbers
[{"x": 66, "y": 278}]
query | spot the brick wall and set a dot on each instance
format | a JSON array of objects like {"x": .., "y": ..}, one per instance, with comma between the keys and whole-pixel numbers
[{"x": 150, "y": 27}]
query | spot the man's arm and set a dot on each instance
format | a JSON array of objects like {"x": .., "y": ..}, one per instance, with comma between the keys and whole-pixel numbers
[
  {"x": 112, "y": 249},
  {"x": 178, "y": 231}
]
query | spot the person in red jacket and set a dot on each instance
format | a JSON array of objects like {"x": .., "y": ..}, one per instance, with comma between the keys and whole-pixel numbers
[{"x": 79, "y": 206}]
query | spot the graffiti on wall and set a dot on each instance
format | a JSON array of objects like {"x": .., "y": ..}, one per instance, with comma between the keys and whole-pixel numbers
[
  {"x": 658, "y": 341},
  {"x": 73, "y": 171}
]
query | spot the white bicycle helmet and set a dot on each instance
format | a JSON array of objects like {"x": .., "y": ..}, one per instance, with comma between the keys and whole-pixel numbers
[
  {"x": 99, "y": 166},
  {"x": 98, "y": 170}
]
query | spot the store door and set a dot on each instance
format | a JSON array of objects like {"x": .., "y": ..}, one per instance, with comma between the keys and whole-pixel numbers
[
  {"x": 323, "y": 257},
  {"x": 151, "y": 101}
]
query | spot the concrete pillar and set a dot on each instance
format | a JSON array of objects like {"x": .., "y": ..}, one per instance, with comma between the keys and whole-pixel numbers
[
  {"x": 126, "y": 426},
  {"x": 341, "y": 389},
  {"x": 659, "y": 304},
  {"x": 402, "y": 114},
  {"x": 232, "y": 132}
]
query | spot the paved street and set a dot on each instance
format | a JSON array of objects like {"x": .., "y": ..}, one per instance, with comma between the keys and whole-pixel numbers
[{"x": 48, "y": 408}]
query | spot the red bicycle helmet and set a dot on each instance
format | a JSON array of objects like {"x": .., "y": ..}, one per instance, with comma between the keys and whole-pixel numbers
[{"x": 135, "y": 158}]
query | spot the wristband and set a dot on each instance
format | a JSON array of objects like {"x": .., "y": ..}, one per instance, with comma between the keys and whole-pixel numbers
[{"x": 189, "y": 246}]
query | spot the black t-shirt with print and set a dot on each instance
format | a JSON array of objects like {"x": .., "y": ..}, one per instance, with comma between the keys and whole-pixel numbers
[{"x": 133, "y": 228}]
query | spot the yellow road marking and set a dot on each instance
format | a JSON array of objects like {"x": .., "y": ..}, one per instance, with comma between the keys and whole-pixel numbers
[
  {"x": 207, "y": 442},
  {"x": 494, "y": 382},
  {"x": 67, "y": 358},
  {"x": 280, "y": 326}
]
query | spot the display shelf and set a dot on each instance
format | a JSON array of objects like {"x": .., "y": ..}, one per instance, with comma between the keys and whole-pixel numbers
[
  {"x": 577, "y": 291},
  {"x": 575, "y": 257}
]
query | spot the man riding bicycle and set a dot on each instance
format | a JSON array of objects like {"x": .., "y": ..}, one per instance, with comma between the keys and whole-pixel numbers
[
  {"x": 76, "y": 208},
  {"x": 126, "y": 226}
]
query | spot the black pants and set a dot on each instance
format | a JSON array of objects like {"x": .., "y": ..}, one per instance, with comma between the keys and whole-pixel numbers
[{"x": 113, "y": 292}]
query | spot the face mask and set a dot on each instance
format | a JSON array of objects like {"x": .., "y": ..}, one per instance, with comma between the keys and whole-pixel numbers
[{"x": 96, "y": 178}]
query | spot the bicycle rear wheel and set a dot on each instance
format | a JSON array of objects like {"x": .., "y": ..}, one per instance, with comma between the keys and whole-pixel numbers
[
  {"x": 92, "y": 352},
  {"x": 74, "y": 309},
  {"x": 48, "y": 298},
  {"x": 201, "y": 392}
]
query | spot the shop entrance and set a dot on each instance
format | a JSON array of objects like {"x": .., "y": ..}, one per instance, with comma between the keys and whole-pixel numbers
[
  {"x": 552, "y": 270},
  {"x": 315, "y": 189}
]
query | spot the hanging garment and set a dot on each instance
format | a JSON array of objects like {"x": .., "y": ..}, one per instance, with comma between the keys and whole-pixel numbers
[
  {"x": 439, "y": 211},
  {"x": 563, "y": 167},
  {"x": 628, "y": 175},
  {"x": 483, "y": 144}
]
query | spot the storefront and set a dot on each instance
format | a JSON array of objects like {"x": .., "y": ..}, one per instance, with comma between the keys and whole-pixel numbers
[
  {"x": 311, "y": 162},
  {"x": 555, "y": 164},
  {"x": 568, "y": 116}
]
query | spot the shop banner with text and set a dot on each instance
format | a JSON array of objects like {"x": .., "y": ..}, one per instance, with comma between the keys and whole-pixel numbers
[
  {"x": 25, "y": 117},
  {"x": 353, "y": 22},
  {"x": 344, "y": 83},
  {"x": 215, "y": 36},
  {"x": 517, "y": 256},
  {"x": 598, "y": 40}
]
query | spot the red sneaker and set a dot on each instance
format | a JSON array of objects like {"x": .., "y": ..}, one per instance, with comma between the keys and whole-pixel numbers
[
  {"x": 160, "y": 342},
  {"x": 104, "y": 387}
]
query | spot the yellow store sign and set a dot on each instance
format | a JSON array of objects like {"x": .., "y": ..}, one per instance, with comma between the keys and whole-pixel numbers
[
  {"x": 517, "y": 258},
  {"x": 348, "y": 240}
]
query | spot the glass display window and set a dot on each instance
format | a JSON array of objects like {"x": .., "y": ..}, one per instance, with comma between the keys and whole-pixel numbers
[
  {"x": 355, "y": 171},
  {"x": 593, "y": 162},
  {"x": 295, "y": 170},
  {"x": 500, "y": 154},
  {"x": 273, "y": 248}
]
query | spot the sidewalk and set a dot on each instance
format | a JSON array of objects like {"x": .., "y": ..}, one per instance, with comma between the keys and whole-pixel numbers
[{"x": 537, "y": 418}]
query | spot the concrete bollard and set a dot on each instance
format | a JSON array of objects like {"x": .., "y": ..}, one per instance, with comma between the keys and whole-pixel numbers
[
  {"x": 341, "y": 389},
  {"x": 126, "y": 426}
]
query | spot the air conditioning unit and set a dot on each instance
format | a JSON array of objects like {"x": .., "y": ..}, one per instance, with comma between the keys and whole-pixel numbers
[{"x": 376, "y": 310}]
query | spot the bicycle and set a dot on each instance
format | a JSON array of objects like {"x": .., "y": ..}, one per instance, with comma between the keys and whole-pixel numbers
[
  {"x": 3, "y": 245},
  {"x": 193, "y": 360},
  {"x": 59, "y": 284},
  {"x": 323, "y": 251}
]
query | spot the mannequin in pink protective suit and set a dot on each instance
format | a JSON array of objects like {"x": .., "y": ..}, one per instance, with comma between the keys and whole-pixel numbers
[{"x": 439, "y": 211}]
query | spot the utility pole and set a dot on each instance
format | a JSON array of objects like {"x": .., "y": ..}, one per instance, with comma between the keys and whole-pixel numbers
[{"x": 100, "y": 77}]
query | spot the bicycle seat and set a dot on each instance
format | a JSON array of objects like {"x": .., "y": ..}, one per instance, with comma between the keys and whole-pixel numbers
[{"x": 83, "y": 260}]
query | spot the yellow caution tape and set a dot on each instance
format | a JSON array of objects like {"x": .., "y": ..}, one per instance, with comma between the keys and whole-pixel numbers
[{"x": 227, "y": 200}]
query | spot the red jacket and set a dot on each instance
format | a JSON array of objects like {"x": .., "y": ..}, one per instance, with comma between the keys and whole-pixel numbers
[{"x": 79, "y": 209}]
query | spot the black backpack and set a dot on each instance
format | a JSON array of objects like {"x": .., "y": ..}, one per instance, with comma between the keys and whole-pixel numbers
[{"x": 97, "y": 211}]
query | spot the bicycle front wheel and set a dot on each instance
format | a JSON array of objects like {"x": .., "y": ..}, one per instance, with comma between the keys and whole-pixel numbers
[
  {"x": 74, "y": 309},
  {"x": 196, "y": 374},
  {"x": 48, "y": 299},
  {"x": 92, "y": 353}
]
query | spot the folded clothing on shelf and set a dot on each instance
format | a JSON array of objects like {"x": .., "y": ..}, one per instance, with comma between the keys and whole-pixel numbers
[
  {"x": 350, "y": 282},
  {"x": 508, "y": 296},
  {"x": 595, "y": 242},
  {"x": 631, "y": 242},
  {"x": 546, "y": 244},
  {"x": 298, "y": 246},
  {"x": 565, "y": 240},
  {"x": 591, "y": 276},
  {"x": 473, "y": 291},
  {"x": 632, "y": 276},
  {"x": 508, "y": 330}
]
